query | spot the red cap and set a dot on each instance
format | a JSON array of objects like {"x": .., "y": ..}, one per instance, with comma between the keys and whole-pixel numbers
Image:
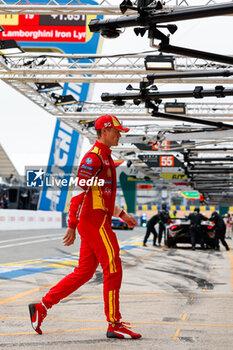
[{"x": 109, "y": 121}]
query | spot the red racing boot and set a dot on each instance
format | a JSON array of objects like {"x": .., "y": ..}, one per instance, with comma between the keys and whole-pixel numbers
[
  {"x": 121, "y": 330},
  {"x": 38, "y": 312}
]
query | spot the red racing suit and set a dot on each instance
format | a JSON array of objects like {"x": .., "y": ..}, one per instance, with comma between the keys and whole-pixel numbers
[{"x": 91, "y": 211}]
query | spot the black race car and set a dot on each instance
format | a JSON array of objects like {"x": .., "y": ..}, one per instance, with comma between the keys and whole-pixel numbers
[{"x": 178, "y": 232}]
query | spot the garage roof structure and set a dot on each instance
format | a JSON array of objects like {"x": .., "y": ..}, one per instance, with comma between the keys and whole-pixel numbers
[{"x": 205, "y": 151}]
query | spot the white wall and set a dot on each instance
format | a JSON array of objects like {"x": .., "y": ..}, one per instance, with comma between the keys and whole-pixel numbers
[{"x": 13, "y": 219}]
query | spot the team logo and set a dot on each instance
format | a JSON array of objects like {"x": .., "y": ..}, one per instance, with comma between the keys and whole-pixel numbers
[
  {"x": 35, "y": 178},
  {"x": 107, "y": 125},
  {"x": 109, "y": 172},
  {"x": 88, "y": 160}
]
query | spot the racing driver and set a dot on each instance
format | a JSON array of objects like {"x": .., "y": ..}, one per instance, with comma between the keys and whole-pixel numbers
[{"x": 91, "y": 210}]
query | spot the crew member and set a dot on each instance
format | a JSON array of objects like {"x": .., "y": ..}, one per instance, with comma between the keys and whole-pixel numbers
[
  {"x": 164, "y": 219},
  {"x": 220, "y": 230},
  {"x": 151, "y": 228},
  {"x": 173, "y": 215},
  {"x": 161, "y": 218},
  {"x": 195, "y": 227}
]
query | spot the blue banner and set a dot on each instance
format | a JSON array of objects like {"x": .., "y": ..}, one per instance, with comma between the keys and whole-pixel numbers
[{"x": 61, "y": 158}]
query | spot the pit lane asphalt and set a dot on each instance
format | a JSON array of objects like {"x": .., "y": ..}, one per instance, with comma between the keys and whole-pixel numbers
[{"x": 177, "y": 298}]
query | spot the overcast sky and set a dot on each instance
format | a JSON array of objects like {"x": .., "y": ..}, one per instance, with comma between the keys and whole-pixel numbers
[{"x": 26, "y": 130}]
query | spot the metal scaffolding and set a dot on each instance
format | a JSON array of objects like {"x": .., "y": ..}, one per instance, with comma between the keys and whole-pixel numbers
[
  {"x": 21, "y": 72},
  {"x": 103, "y": 7}
]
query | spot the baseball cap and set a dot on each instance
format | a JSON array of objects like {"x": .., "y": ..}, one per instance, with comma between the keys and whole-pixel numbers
[{"x": 109, "y": 121}]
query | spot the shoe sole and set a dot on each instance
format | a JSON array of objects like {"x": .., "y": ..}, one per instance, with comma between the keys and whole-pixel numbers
[
  {"x": 113, "y": 335},
  {"x": 32, "y": 310}
]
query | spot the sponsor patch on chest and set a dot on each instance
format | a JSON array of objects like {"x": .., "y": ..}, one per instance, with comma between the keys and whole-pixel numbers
[{"x": 88, "y": 167}]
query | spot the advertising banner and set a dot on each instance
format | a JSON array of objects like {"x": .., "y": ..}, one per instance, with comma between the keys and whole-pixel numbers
[
  {"x": 48, "y": 29},
  {"x": 61, "y": 160},
  {"x": 161, "y": 161},
  {"x": 63, "y": 33}
]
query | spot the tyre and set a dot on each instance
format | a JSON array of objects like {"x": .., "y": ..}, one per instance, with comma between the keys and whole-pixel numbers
[{"x": 170, "y": 243}]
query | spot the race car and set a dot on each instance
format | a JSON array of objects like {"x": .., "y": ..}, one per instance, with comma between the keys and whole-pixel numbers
[
  {"x": 178, "y": 232},
  {"x": 119, "y": 223}
]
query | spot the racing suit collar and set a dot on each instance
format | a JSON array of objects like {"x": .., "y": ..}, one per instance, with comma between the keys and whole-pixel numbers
[{"x": 103, "y": 147}]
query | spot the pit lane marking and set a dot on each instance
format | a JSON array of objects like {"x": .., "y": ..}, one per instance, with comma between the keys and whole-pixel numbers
[
  {"x": 23, "y": 294},
  {"x": 58, "y": 331},
  {"x": 13, "y": 270},
  {"x": 133, "y": 322},
  {"x": 130, "y": 295},
  {"x": 176, "y": 335},
  {"x": 30, "y": 237},
  {"x": 31, "y": 242}
]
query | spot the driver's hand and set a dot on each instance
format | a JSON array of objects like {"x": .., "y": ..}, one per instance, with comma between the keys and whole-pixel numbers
[
  {"x": 130, "y": 220},
  {"x": 69, "y": 237}
]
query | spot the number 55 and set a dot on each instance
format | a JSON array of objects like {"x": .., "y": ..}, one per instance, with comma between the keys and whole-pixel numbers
[{"x": 166, "y": 161}]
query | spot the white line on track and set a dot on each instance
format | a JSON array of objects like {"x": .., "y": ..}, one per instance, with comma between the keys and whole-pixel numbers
[
  {"x": 29, "y": 237},
  {"x": 31, "y": 242}
]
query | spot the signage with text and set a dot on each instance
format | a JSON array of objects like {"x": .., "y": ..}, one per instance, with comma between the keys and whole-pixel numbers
[
  {"x": 166, "y": 161},
  {"x": 71, "y": 28},
  {"x": 174, "y": 176},
  {"x": 160, "y": 161}
]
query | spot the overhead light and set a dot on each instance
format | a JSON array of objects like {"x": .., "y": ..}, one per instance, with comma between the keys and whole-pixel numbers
[
  {"x": 9, "y": 47},
  {"x": 159, "y": 62},
  {"x": 118, "y": 102},
  {"x": 177, "y": 108},
  {"x": 46, "y": 87},
  {"x": 2, "y": 29},
  {"x": 111, "y": 33},
  {"x": 63, "y": 100}
]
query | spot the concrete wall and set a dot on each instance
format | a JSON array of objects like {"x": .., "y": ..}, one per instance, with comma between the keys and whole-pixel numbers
[{"x": 13, "y": 219}]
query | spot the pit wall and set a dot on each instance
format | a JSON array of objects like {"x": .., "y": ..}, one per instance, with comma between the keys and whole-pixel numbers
[
  {"x": 182, "y": 211},
  {"x": 13, "y": 219}
]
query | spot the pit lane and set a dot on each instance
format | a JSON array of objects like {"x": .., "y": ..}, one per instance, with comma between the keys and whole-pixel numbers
[{"x": 174, "y": 297}]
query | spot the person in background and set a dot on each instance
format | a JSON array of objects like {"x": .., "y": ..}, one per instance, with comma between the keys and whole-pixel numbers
[
  {"x": 220, "y": 230},
  {"x": 1, "y": 202},
  {"x": 5, "y": 201},
  {"x": 232, "y": 223},
  {"x": 150, "y": 228},
  {"x": 228, "y": 222},
  {"x": 195, "y": 227},
  {"x": 173, "y": 215},
  {"x": 164, "y": 219}
]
